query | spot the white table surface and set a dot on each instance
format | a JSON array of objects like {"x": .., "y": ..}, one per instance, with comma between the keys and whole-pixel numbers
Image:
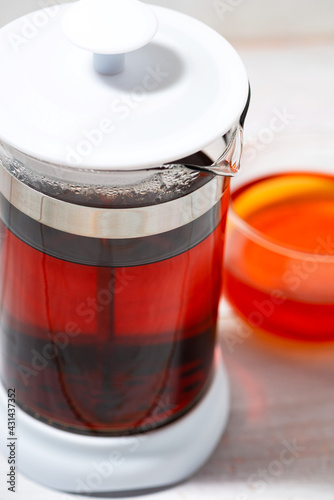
[{"x": 282, "y": 394}]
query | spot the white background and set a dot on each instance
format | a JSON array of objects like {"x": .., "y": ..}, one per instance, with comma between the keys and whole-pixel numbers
[{"x": 235, "y": 19}]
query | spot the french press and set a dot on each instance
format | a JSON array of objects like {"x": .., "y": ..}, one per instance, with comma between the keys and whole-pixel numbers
[{"x": 121, "y": 125}]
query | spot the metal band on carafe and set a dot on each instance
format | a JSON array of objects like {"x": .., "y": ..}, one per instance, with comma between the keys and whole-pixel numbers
[{"x": 110, "y": 223}]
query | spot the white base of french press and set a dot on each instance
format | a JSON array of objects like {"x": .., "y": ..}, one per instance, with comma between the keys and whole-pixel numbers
[{"x": 85, "y": 465}]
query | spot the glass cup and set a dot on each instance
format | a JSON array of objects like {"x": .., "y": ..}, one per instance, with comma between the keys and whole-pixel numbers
[{"x": 275, "y": 286}]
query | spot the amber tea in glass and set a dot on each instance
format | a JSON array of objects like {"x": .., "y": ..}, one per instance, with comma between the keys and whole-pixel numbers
[{"x": 279, "y": 269}]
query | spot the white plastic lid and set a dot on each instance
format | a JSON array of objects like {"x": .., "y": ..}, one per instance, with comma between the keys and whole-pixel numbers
[{"x": 175, "y": 96}]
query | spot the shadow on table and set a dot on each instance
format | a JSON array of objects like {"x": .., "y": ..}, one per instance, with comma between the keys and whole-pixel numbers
[{"x": 281, "y": 423}]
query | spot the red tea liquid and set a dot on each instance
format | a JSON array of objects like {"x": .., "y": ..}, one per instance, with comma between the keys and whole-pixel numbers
[
  {"x": 109, "y": 337},
  {"x": 286, "y": 285}
]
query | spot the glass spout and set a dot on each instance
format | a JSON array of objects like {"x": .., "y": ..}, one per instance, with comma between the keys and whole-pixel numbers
[{"x": 228, "y": 163}]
